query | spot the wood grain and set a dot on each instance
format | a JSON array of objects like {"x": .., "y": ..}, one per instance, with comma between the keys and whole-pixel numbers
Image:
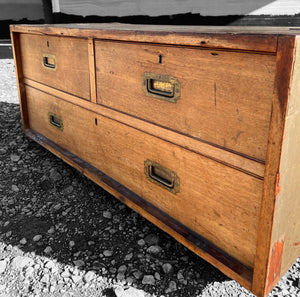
[
  {"x": 72, "y": 71},
  {"x": 231, "y": 199},
  {"x": 227, "y": 158},
  {"x": 92, "y": 71},
  {"x": 225, "y": 97},
  {"x": 262, "y": 39},
  {"x": 280, "y": 98}
]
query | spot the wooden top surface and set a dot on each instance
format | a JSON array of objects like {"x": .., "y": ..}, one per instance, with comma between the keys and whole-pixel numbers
[{"x": 261, "y": 39}]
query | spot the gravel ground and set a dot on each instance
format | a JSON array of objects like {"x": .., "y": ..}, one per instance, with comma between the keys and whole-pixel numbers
[{"x": 61, "y": 235}]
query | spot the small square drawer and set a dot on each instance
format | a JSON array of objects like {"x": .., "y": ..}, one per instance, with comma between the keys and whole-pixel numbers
[
  {"x": 58, "y": 62},
  {"x": 217, "y": 96}
]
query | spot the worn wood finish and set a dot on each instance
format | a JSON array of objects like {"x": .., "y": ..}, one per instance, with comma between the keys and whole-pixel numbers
[
  {"x": 286, "y": 228},
  {"x": 120, "y": 152},
  {"x": 230, "y": 108},
  {"x": 236, "y": 38},
  {"x": 72, "y": 68},
  {"x": 280, "y": 98},
  {"x": 227, "y": 158},
  {"x": 232, "y": 204}
]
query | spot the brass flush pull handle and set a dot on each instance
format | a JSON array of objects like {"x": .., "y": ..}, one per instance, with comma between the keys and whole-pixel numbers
[
  {"x": 162, "y": 176},
  {"x": 49, "y": 61},
  {"x": 161, "y": 86},
  {"x": 55, "y": 121}
]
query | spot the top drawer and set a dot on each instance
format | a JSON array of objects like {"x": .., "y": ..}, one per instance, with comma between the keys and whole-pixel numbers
[
  {"x": 59, "y": 62},
  {"x": 220, "y": 97}
]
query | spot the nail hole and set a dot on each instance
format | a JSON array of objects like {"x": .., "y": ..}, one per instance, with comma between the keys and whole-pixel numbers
[
  {"x": 214, "y": 54},
  {"x": 203, "y": 42},
  {"x": 96, "y": 121},
  {"x": 160, "y": 59},
  {"x": 48, "y": 43}
]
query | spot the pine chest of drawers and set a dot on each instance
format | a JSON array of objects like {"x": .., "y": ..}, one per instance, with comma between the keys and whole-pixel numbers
[{"x": 195, "y": 128}]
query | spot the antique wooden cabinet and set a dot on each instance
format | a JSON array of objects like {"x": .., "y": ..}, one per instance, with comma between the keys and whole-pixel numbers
[{"x": 195, "y": 128}]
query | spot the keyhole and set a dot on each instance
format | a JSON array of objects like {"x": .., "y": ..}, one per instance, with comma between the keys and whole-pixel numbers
[
  {"x": 48, "y": 43},
  {"x": 160, "y": 59}
]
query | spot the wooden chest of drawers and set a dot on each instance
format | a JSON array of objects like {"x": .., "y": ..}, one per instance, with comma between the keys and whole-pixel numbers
[{"x": 195, "y": 128}]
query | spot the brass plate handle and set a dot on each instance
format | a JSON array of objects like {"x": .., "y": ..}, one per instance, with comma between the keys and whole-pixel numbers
[
  {"x": 49, "y": 61},
  {"x": 161, "y": 86},
  {"x": 55, "y": 120},
  {"x": 162, "y": 176}
]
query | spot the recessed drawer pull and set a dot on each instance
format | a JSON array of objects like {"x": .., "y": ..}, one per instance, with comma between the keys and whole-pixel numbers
[
  {"x": 162, "y": 176},
  {"x": 161, "y": 86},
  {"x": 55, "y": 121},
  {"x": 49, "y": 61}
]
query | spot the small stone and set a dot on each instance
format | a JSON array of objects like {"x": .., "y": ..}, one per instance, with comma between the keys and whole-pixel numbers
[
  {"x": 154, "y": 249},
  {"x": 2, "y": 266},
  {"x": 108, "y": 253},
  {"x": 130, "y": 292},
  {"x": 20, "y": 262},
  {"x": 76, "y": 278},
  {"x": 71, "y": 244},
  {"x": 157, "y": 275},
  {"x": 120, "y": 276},
  {"x": 65, "y": 274},
  {"x": 107, "y": 214},
  {"x": 89, "y": 276},
  {"x": 167, "y": 268},
  {"x": 15, "y": 188},
  {"x": 68, "y": 190},
  {"x": 29, "y": 271},
  {"x": 78, "y": 263},
  {"x": 3, "y": 151},
  {"x": 122, "y": 269},
  {"x": 45, "y": 278},
  {"x": 141, "y": 242},
  {"x": 51, "y": 266},
  {"x": 57, "y": 207},
  {"x": 128, "y": 257},
  {"x": 152, "y": 239},
  {"x": 91, "y": 242},
  {"x": 8, "y": 234},
  {"x": 138, "y": 274},
  {"x": 48, "y": 250},
  {"x": 51, "y": 289},
  {"x": 23, "y": 241},
  {"x": 2, "y": 288},
  {"x": 172, "y": 287},
  {"x": 51, "y": 230},
  {"x": 15, "y": 158},
  {"x": 37, "y": 238},
  {"x": 148, "y": 280},
  {"x": 54, "y": 175}
]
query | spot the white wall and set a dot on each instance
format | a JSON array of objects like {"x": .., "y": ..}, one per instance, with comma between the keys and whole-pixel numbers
[{"x": 169, "y": 7}]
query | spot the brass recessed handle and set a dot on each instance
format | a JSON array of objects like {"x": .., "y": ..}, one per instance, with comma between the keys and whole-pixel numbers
[
  {"x": 55, "y": 121},
  {"x": 49, "y": 61},
  {"x": 161, "y": 86},
  {"x": 162, "y": 176}
]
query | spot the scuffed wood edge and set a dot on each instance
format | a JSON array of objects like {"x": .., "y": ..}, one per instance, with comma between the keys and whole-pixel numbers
[
  {"x": 258, "y": 42},
  {"x": 284, "y": 66},
  {"x": 225, "y": 263},
  {"x": 92, "y": 72},
  {"x": 15, "y": 39}
]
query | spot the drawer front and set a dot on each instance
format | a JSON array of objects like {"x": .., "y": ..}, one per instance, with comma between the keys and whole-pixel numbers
[
  {"x": 216, "y": 201},
  {"x": 221, "y": 97},
  {"x": 59, "y": 62}
]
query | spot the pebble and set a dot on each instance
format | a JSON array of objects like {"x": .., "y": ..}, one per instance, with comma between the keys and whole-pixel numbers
[
  {"x": 157, "y": 275},
  {"x": 122, "y": 269},
  {"x": 76, "y": 278},
  {"x": 15, "y": 188},
  {"x": 37, "y": 238},
  {"x": 19, "y": 262},
  {"x": 23, "y": 241},
  {"x": 148, "y": 280},
  {"x": 172, "y": 287},
  {"x": 128, "y": 257},
  {"x": 48, "y": 250},
  {"x": 107, "y": 214},
  {"x": 130, "y": 292},
  {"x": 154, "y": 249},
  {"x": 167, "y": 268},
  {"x": 71, "y": 244},
  {"x": 79, "y": 263},
  {"x": 108, "y": 253},
  {"x": 141, "y": 242},
  {"x": 15, "y": 158},
  {"x": 89, "y": 276},
  {"x": 51, "y": 230},
  {"x": 138, "y": 274},
  {"x": 2, "y": 266},
  {"x": 152, "y": 239}
]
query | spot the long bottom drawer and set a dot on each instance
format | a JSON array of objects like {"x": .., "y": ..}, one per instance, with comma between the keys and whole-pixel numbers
[{"x": 217, "y": 202}]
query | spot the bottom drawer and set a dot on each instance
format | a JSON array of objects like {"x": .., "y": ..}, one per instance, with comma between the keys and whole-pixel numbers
[{"x": 217, "y": 202}]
